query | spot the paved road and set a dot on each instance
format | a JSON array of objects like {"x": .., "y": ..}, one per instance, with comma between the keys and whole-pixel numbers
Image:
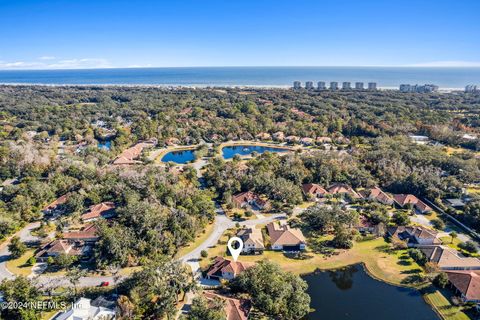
[{"x": 25, "y": 236}]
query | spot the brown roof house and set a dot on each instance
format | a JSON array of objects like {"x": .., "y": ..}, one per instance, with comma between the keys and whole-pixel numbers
[
  {"x": 129, "y": 156},
  {"x": 376, "y": 194},
  {"x": 278, "y": 136},
  {"x": 263, "y": 136},
  {"x": 366, "y": 226},
  {"x": 449, "y": 259},
  {"x": 102, "y": 210},
  {"x": 88, "y": 234},
  {"x": 466, "y": 283},
  {"x": 252, "y": 239},
  {"x": 235, "y": 309},
  {"x": 342, "y": 189},
  {"x": 415, "y": 236},
  {"x": 56, "y": 207},
  {"x": 250, "y": 199},
  {"x": 226, "y": 269},
  {"x": 404, "y": 200},
  {"x": 58, "y": 247},
  {"x": 282, "y": 237},
  {"x": 314, "y": 191}
]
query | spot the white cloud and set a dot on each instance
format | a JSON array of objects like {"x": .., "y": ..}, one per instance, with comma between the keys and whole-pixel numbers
[
  {"x": 53, "y": 63},
  {"x": 446, "y": 64},
  {"x": 46, "y": 58}
]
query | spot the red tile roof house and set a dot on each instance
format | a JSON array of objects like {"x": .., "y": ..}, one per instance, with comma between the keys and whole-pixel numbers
[
  {"x": 282, "y": 237},
  {"x": 102, "y": 210},
  {"x": 226, "y": 269},
  {"x": 467, "y": 284},
  {"x": 403, "y": 200},
  {"x": 343, "y": 189},
  {"x": 376, "y": 194},
  {"x": 366, "y": 226},
  {"x": 88, "y": 234},
  {"x": 415, "y": 236},
  {"x": 314, "y": 191},
  {"x": 128, "y": 156},
  {"x": 235, "y": 309},
  {"x": 56, "y": 207},
  {"x": 249, "y": 198}
]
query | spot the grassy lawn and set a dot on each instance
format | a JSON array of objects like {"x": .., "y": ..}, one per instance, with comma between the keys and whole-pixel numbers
[
  {"x": 392, "y": 267},
  {"x": 306, "y": 205},
  {"x": 198, "y": 241},
  {"x": 473, "y": 190},
  {"x": 443, "y": 306},
  {"x": 20, "y": 266},
  {"x": 448, "y": 242}
]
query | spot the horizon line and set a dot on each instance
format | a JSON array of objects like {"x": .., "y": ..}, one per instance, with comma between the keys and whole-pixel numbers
[{"x": 251, "y": 66}]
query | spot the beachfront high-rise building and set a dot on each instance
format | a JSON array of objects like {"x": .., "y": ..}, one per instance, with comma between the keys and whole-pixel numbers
[
  {"x": 333, "y": 85},
  {"x": 372, "y": 86},
  {"x": 297, "y": 85},
  {"x": 426, "y": 88},
  {"x": 405, "y": 88},
  {"x": 309, "y": 85},
  {"x": 471, "y": 88},
  {"x": 346, "y": 86},
  {"x": 359, "y": 85},
  {"x": 321, "y": 85}
]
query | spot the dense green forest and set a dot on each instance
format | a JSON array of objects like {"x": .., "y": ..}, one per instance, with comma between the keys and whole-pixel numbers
[{"x": 36, "y": 121}]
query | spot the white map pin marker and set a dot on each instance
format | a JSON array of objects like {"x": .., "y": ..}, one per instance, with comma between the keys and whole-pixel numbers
[{"x": 235, "y": 252}]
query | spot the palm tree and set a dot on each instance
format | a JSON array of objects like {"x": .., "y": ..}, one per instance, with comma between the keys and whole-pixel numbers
[{"x": 453, "y": 235}]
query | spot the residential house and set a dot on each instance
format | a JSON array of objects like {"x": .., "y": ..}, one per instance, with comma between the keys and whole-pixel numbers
[
  {"x": 102, "y": 210},
  {"x": 226, "y": 269},
  {"x": 129, "y": 156},
  {"x": 292, "y": 139},
  {"x": 366, "y": 226},
  {"x": 342, "y": 189},
  {"x": 252, "y": 240},
  {"x": 82, "y": 309},
  {"x": 282, "y": 237},
  {"x": 405, "y": 200},
  {"x": 466, "y": 284},
  {"x": 376, "y": 194},
  {"x": 58, "y": 247},
  {"x": 322, "y": 140},
  {"x": 235, "y": 309},
  {"x": 249, "y": 198},
  {"x": 306, "y": 141},
  {"x": 88, "y": 234},
  {"x": 456, "y": 203},
  {"x": 278, "y": 136},
  {"x": 315, "y": 191},
  {"x": 57, "y": 206},
  {"x": 415, "y": 236},
  {"x": 264, "y": 136},
  {"x": 449, "y": 259}
]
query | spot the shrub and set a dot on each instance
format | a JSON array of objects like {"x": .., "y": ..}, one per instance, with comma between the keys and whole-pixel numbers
[
  {"x": 438, "y": 224},
  {"x": 204, "y": 253},
  {"x": 468, "y": 246},
  {"x": 441, "y": 280}
]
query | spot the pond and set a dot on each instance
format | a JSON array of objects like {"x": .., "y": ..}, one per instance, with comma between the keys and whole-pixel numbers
[
  {"x": 180, "y": 156},
  {"x": 107, "y": 144},
  {"x": 351, "y": 294},
  {"x": 244, "y": 150}
]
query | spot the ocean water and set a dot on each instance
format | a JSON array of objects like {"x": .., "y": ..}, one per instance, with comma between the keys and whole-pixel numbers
[{"x": 387, "y": 77}]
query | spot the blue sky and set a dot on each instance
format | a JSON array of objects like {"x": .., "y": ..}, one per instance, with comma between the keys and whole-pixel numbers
[{"x": 88, "y": 34}]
